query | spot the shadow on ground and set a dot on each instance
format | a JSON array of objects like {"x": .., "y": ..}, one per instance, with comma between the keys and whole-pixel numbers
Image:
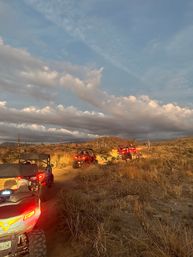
[{"x": 49, "y": 220}]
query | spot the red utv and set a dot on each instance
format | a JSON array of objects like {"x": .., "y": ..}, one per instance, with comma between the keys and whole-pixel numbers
[
  {"x": 84, "y": 157},
  {"x": 19, "y": 212},
  {"x": 128, "y": 152}
]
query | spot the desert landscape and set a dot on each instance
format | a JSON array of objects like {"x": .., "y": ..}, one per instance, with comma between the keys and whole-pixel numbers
[
  {"x": 142, "y": 207},
  {"x": 96, "y": 128}
]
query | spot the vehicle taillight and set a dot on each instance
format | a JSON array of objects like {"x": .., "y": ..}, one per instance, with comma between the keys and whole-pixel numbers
[
  {"x": 29, "y": 215},
  {"x": 40, "y": 176}
]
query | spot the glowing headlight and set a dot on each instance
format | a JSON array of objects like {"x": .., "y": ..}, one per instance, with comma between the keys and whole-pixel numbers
[{"x": 6, "y": 192}]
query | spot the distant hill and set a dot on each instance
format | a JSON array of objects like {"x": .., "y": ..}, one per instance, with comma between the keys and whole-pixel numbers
[
  {"x": 110, "y": 141},
  {"x": 8, "y": 144}
]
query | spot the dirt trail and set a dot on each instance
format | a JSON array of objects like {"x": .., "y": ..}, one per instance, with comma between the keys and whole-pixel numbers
[{"x": 48, "y": 220}]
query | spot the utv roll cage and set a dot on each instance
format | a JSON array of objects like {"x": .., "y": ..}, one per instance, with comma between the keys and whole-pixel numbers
[
  {"x": 28, "y": 157},
  {"x": 86, "y": 150}
]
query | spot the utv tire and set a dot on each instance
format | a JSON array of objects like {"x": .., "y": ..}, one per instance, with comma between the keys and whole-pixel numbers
[
  {"x": 75, "y": 165},
  {"x": 51, "y": 181},
  {"x": 43, "y": 194},
  {"x": 96, "y": 162},
  {"x": 37, "y": 243},
  {"x": 127, "y": 157}
]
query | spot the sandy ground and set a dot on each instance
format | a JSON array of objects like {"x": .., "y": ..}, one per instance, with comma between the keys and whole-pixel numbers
[{"x": 49, "y": 218}]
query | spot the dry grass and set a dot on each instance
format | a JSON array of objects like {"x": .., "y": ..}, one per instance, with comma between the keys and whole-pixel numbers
[{"x": 141, "y": 208}]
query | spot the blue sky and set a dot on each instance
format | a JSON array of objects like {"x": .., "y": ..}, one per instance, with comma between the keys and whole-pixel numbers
[{"x": 116, "y": 64}]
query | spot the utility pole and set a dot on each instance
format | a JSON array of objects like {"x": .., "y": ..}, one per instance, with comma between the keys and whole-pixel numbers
[
  {"x": 18, "y": 145},
  {"x": 148, "y": 144}
]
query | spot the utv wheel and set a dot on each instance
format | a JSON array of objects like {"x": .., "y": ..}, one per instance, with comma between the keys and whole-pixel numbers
[
  {"x": 129, "y": 156},
  {"x": 96, "y": 162},
  {"x": 37, "y": 244},
  {"x": 75, "y": 165},
  {"x": 43, "y": 194},
  {"x": 51, "y": 180}
]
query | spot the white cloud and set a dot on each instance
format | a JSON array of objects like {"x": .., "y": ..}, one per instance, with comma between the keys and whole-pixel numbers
[
  {"x": 87, "y": 90},
  {"x": 123, "y": 116},
  {"x": 41, "y": 77},
  {"x": 27, "y": 75},
  {"x": 38, "y": 133}
]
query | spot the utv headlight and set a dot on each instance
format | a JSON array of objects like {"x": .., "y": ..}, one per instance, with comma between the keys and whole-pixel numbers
[{"x": 6, "y": 193}]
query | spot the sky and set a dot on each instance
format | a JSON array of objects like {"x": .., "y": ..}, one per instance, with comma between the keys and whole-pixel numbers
[{"x": 80, "y": 69}]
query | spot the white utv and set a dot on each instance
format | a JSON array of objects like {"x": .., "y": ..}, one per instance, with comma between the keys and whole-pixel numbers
[{"x": 19, "y": 212}]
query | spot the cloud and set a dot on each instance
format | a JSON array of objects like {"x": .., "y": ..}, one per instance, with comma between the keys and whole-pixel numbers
[
  {"x": 88, "y": 90},
  {"x": 22, "y": 74},
  {"x": 65, "y": 117},
  {"x": 38, "y": 133},
  {"x": 26, "y": 75},
  {"x": 122, "y": 116}
]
